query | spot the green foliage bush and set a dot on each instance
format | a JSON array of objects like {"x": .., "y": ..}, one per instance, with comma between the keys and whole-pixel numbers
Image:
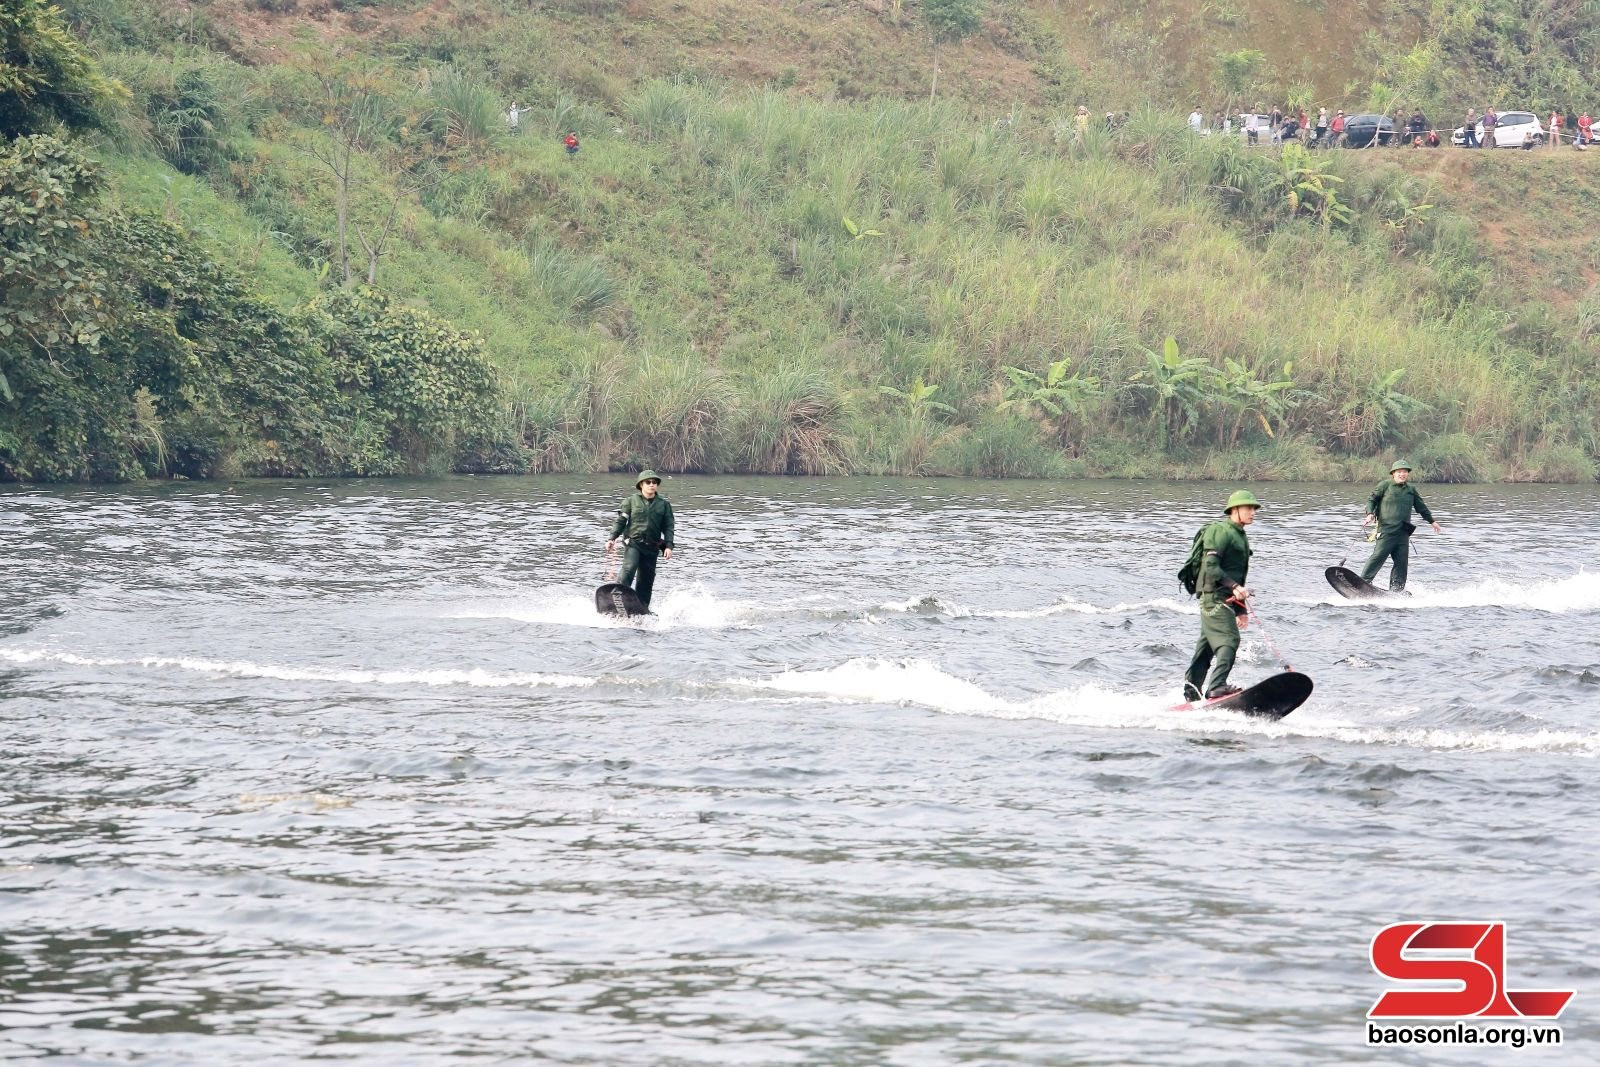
[
  {"x": 420, "y": 379},
  {"x": 128, "y": 351},
  {"x": 1454, "y": 457},
  {"x": 46, "y": 76},
  {"x": 1560, "y": 463}
]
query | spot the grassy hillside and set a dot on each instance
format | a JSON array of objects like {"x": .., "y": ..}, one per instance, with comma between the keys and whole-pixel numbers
[{"x": 772, "y": 254}]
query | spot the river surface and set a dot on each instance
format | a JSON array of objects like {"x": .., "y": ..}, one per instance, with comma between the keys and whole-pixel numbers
[{"x": 353, "y": 772}]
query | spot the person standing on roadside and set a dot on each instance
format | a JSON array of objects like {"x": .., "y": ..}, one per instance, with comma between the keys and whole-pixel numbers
[
  {"x": 1390, "y": 506},
  {"x": 1196, "y": 120},
  {"x": 1336, "y": 128},
  {"x": 1490, "y": 121},
  {"x": 1470, "y": 130},
  {"x": 1555, "y": 129},
  {"x": 1585, "y": 125},
  {"x": 1224, "y": 566},
  {"x": 1322, "y": 126},
  {"x": 645, "y": 523}
]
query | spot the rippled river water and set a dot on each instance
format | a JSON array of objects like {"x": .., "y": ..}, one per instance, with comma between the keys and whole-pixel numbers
[{"x": 353, "y": 771}]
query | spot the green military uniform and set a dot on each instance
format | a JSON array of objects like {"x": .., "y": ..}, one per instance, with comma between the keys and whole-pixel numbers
[
  {"x": 1391, "y": 504},
  {"x": 1224, "y": 566},
  {"x": 646, "y": 526}
]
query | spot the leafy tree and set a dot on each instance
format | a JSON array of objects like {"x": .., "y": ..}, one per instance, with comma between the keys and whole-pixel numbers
[
  {"x": 126, "y": 350},
  {"x": 1238, "y": 72},
  {"x": 949, "y": 22},
  {"x": 358, "y": 114},
  {"x": 46, "y": 76},
  {"x": 52, "y": 290},
  {"x": 53, "y": 313},
  {"x": 427, "y": 383},
  {"x": 1243, "y": 395}
]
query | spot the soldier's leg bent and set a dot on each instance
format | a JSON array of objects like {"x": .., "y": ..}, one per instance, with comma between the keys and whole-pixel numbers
[
  {"x": 1198, "y": 666},
  {"x": 647, "y": 577},
  {"x": 1402, "y": 560}
]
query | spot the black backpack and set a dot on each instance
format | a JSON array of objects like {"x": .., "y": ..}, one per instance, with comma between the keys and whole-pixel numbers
[{"x": 1189, "y": 573}]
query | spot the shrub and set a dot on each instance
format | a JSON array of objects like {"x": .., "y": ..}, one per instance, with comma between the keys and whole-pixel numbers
[
  {"x": 1003, "y": 446},
  {"x": 472, "y": 112},
  {"x": 1454, "y": 457},
  {"x": 792, "y": 424},
  {"x": 46, "y": 76},
  {"x": 426, "y": 382},
  {"x": 672, "y": 415},
  {"x": 1559, "y": 463},
  {"x": 577, "y": 285}
]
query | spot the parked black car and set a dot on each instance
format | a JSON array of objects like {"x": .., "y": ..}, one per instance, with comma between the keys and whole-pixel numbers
[{"x": 1359, "y": 130}]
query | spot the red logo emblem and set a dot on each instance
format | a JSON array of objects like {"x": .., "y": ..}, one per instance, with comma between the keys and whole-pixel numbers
[{"x": 1470, "y": 954}]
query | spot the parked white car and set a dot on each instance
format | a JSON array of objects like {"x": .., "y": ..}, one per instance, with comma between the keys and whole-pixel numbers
[{"x": 1512, "y": 131}]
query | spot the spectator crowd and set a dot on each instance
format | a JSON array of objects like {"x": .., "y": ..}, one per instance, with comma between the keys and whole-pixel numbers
[{"x": 1328, "y": 129}]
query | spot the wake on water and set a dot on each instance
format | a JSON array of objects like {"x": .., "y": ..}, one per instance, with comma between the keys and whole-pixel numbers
[
  {"x": 919, "y": 683},
  {"x": 694, "y": 606},
  {"x": 897, "y": 682},
  {"x": 355, "y": 675},
  {"x": 689, "y": 606},
  {"x": 922, "y": 684},
  {"x": 1577, "y": 593}
]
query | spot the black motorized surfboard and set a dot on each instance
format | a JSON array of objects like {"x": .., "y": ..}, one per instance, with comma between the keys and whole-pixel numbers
[
  {"x": 1270, "y": 698},
  {"x": 614, "y": 598},
  {"x": 1354, "y": 587}
]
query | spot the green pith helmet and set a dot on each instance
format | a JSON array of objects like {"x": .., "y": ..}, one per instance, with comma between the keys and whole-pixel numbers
[
  {"x": 646, "y": 476},
  {"x": 1243, "y": 498},
  {"x": 1399, "y": 465}
]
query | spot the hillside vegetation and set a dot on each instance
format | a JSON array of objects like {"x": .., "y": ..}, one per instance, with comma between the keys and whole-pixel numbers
[{"x": 774, "y": 254}]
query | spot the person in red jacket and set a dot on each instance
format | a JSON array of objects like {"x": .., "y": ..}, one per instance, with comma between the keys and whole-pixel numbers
[
  {"x": 1336, "y": 130},
  {"x": 571, "y": 141},
  {"x": 1584, "y": 123}
]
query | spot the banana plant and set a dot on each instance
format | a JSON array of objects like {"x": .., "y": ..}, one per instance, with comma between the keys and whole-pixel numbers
[
  {"x": 1059, "y": 396},
  {"x": 1374, "y": 415},
  {"x": 856, "y": 232},
  {"x": 1247, "y": 395},
  {"x": 1312, "y": 189},
  {"x": 918, "y": 399},
  {"x": 1177, "y": 386}
]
